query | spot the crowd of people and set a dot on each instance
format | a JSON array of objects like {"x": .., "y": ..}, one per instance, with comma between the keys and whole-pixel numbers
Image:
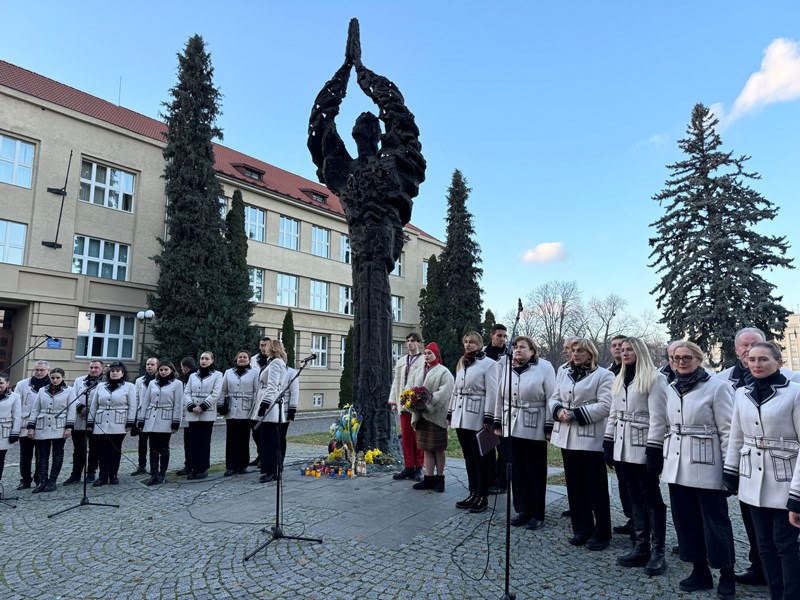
[
  {"x": 100, "y": 408},
  {"x": 706, "y": 435}
]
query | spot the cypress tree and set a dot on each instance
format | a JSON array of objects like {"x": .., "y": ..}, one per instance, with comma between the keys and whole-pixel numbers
[
  {"x": 707, "y": 250},
  {"x": 432, "y": 309},
  {"x": 486, "y": 328},
  {"x": 190, "y": 287},
  {"x": 288, "y": 335},
  {"x": 346, "y": 381}
]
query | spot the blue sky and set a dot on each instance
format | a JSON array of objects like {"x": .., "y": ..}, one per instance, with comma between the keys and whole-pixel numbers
[{"x": 562, "y": 116}]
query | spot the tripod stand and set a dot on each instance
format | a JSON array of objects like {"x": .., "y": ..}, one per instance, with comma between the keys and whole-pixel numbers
[
  {"x": 276, "y": 532},
  {"x": 85, "y": 500}
]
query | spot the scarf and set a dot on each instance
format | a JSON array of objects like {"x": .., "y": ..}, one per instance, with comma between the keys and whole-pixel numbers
[
  {"x": 4, "y": 395},
  {"x": 114, "y": 384},
  {"x": 762, "y": 388},
  {"x": 741, "y": 375},
  {"x": 410, "y": 360},
  {"x": 204, "y": 372},
  {"x": 162, "y": 381},
  {"x": 55, "y": 389},
  {"x": 242, "y": 370},
  {"x": 630, "y": 373},
  {"x": 494, "y": 352},
  {"x": 471, "y": 357},
  {"x": 580, "y": 371},
  {"x": 686, "y": 383},
  {"x": 262, "y": 360},
  {"x": 615, "y": 368},
  {"x": 667, "y": 370},
  {"x": 148, "y": 378},
  {"x": 38, "y": 383}
]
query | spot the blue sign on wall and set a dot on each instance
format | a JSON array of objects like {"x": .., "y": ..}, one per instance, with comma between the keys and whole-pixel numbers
[{"x": 54, "y": 343}]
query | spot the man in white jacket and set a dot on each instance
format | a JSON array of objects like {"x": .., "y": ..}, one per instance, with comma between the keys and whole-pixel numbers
[{"x": 413, "y": 457}]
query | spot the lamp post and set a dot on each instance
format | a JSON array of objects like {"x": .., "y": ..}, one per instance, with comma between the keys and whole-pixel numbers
[{"x": 144, "y": 317}]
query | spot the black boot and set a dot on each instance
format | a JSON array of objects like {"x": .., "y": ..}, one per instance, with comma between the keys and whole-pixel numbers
[
  {"x": 439, "y": 485},
  {"x": 727, "y": 584},
  {"x": 39, "y": 488},
  {"x": 640, "y": 553},
  {"x": 153, "y": 479},
  {"x": 407, "y": 473},
  {"x": 51, "y": 485},
  {"x": 481, "y": 504},
  {"x": 467, "y": 502},
  {"x": 41, "y": 470},
  {"x": 658, "y": 521},
  {"x": 428, "y": 483},
  {"x": 699, "y": 579}
]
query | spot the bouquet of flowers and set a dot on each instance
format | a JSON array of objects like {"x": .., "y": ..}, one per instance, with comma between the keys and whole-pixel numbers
[
  {"x": 415, "y": 398},
  {"x": 345, "y": 431}
]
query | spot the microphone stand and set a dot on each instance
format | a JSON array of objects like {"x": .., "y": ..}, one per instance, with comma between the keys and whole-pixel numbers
[
  {"x": 276, "y": 532},
  {"x": 31, "y": 349},
  {"x": 85, "y": 500},
  {"x": 508, "y": 595}
]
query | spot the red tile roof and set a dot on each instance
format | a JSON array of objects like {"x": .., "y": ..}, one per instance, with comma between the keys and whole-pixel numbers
[{"x": 274, "y": 178}]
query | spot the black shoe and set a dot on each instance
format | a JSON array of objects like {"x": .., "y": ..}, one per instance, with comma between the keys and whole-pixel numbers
[
  {"x": 113, "y": 480},
  {"x": 481, "y": 504},
  {"x": 565, "y": 513},
  {"x": 439, "y": 485},
  {"x": 752, "y": 576},
  {"x": 152, "y": 481},
  {"x": 700, "y": 579},
  {"x": 182, "y": 472},
  {"x": 39, "y": 488},
  {"x": 161, "y": 479},
  {"x": 726, "y": 589},
  {"x": 657, "y": 563},
  {"x": 24, "y": 485},
  {"x": 467, "y": 502},
  {"x": 229, "y": 473},
  {"x": 626, "y": 529},
  {"x": 597, "y": 544},
  {"x": 50, "y": 487},
  {"x": 266, "y": 478},
  {"x": 98, "y": 483},
  {"x": 255, "y": 462},
  {"x": 201, "y": 475},
  {"x": 139, "y": 471},
  {"x": 637, "y": 557},
  {"x": 534, "y": 525},
  {"x": 72, "y": 479},
  {"x": 519, "y": 520},
  {"x": 244, "y": 471},
  {"x": 676, "y": 549},
  {"x": 418, "y": 474},
  {"x": 428, "y": 483},
  {"x": 496, "y": 489},
  {"x": 90, "y": 477},
  {"x": 407, "y": 473},
  {"x": 579, "y": 539}
]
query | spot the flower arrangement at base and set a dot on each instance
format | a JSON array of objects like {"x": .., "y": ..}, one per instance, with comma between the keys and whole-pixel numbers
[
  {"x": 345, "y": 430},
  {"x": 415, "y": 398}
]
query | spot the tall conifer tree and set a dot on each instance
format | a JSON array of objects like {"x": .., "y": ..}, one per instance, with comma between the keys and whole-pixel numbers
[
  {"x": 707, "y": 250},
  {"x": 190, "y": 289},
  {"x": 346, "y": 381},
  {"x": 288, "y": 335}
]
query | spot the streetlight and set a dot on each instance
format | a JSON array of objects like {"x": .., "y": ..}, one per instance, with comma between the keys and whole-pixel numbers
[{"x": 144, "y": 317}]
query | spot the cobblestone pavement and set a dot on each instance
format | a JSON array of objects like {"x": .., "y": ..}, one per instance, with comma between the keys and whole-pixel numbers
[{"x": 381, "y": 539}]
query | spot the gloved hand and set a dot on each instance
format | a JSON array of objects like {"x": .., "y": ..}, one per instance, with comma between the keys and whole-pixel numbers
[
  {"x": 292, "y": 413},
  {"x": 223, "y": 409},
  {"x": 190, "y": 408},
  {"x": 13, "y": 439},
  {"x": 140, "y": 425},
  {"x": 204, "y": 406},
  {"x": 134, "y": 430},
  {"x": 262, "y": 409},
  {"x": 731, "y": 483},
  {"x": 655, "y": 461},
  {"x": 608, "y": 453},
  {"x": 176, "y": 425}
]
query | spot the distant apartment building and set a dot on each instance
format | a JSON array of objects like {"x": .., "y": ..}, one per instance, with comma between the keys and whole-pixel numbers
[
  {"x": 75, "y": 263},
  {"x": 790, "y": 343}
]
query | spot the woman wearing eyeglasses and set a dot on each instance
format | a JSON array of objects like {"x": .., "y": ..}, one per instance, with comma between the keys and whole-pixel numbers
[
  {"x": 759, "y": 464},
  {"x": 697, "y": 420}
]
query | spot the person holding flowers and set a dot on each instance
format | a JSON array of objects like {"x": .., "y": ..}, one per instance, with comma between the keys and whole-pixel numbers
[{"x": 428, "y": 399}]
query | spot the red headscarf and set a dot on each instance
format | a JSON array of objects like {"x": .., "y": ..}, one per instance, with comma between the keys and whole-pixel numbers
[{"x": 434, "y": 347}]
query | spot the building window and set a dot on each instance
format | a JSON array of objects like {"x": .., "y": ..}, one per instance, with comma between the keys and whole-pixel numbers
[
  {"x": 287, "y": 290},
  {"x": 319, "y": 295},
  {"x": 105, "y": 186},
  {"x": 12, "y": 242},
  {"x": 320, "y": 241},
  {"x": 344, "y": 250},
  {"x": 223, "y": 206},
  {"x": 16, "y": 161},
  {"x": 342, "y": 351},
  {"x": 289, "y": 233},
  {"x": 424, "y": 272},
  {"x": 319, "y": 346},
  {"x": 398, "y": 267},
  {"x": 254, "y": 223},
  {"x": 397, "y": 309},
  {"x": 99, "y": 258},
  {"x": 345, "y": 300},
  {"x": 319, "y": 400},
  {"x": 398, "y": 348},
  {"x": 105, "y": 336},
  {"x": 257, "y": 284}
]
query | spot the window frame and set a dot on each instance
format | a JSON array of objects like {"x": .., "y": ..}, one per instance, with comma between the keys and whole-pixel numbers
[
  {"x": 292, "y": 293},
  {"x": 320, "y": 350},
  {"x": 101, "y": 260},
  {"x": 258, "y": 227},
  {"x": 346, "y": 300},
  {"x": 6, "y": 244},
  {"x": 255, "y": 287},
  {"x": 321, "y": 396},
  {"x": 319, "y": 295},
  {"x": 17, "y": 163},
  {"x": 345, "y": 250},
  {"x": 91, "y": 334},
  {"x": 320, "y": 241},
  {"x": 93, "y": 186},
  {"x": 397, "y": 309},
  {"x": 289, "y": 239}
]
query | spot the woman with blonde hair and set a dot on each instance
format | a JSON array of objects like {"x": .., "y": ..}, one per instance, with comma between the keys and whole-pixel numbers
[
  {"x": 697, "y": 421},
  {"x": 472, "y": 410},
  {"x": 270, "y": 384},
  {"x": 579, "y": 406},
  {"x": 638, "y": 391}
]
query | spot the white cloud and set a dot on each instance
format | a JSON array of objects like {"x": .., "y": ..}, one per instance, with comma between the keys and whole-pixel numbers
[
  {"x": 778, "y": 80},
  {"x": 545, "y": 252},
  {"x": 657, "y": 140}
]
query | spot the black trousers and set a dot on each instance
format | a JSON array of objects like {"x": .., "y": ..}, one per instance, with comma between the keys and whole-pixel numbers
[
  {"x": 501, "y": 461},
  {"x": 270, "y": 444},
  {"x": 27, "y": 450},
  {"x": 159, "y": 452},
  {"x": 43, "y": 448},
  {"x": 237, "y": 443},
  {"x": 750, "y": 529},
  {"x": 143, "y": 449},
  {"x": 587, "y": 491},
  {"x": 109, "y": 453},
  {"x": 79, "y": 453},
  {"x": 256, "y": 433},
  {"x": 186, "y": 451},
  {"x": 778, "y": 548},
  {"x": 529, "y": 476},
  {"x": 2, "y": 462},
  {"x": 480, "y": 469},
  {"x": 642, "y": 489},
  {"x": 701, "y": 521},
  {"x": 199, "y": 433},
  {"x": 624, "y": 494}
]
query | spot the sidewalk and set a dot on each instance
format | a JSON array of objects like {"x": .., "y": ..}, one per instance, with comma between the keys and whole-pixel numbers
[{"x": 381, "y": 539}]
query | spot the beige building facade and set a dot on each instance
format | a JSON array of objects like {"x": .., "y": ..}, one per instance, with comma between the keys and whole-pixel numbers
[{"x": 75, "y": 260}]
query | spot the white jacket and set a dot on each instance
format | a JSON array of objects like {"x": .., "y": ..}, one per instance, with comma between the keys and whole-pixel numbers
[
  {"x": 763, "y": 445},
  {"x": 82, "y": 399},
  {"x": 204, "y": 392},
  {"x": 271, "y": 382},
  {"x": 112, "y": 411},
  {"x": 161, "y": 407},
  {"x": 590, "y": 399},
  {"x": 474, "y": 395},
  {"x": 401, "y": 381},
  {"x": 239, "y": 392},
  {"x": 697, "y": 427},
  {"x": 52, "y": 415},
  {"x": 439, "y": 382},
  {"x": 629, "y": 420},
  {"x": 26, "y": 397},
  {"x": 10, "y": 418},
  {"x": 530, "y": 391}
]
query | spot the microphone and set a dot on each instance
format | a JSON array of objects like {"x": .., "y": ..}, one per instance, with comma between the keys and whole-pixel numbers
[
  {"x": 519, "y": 305},
  {"x": 50, "y": 337},
  {"x": 309, "y": 358}
]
